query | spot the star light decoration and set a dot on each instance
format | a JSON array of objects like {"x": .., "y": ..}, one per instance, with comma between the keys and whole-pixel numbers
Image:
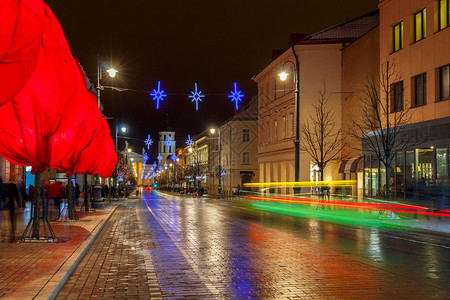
[
  {"x": 154, "y": 165},
  {"x": 196, "y": 96},
  {"x": 236, "y": 96},
  {"x": 145, "y": 157},
  {"x": 159, "y": 157},
  {"x": 165, "y": 164},
  {"x": 158, "y": 95},
  {"x": 189, "y": 141},
  {"x": 148, "y": 142},
  {"x": 174, "y": 157},
  {"x": 168, "y": 142}
]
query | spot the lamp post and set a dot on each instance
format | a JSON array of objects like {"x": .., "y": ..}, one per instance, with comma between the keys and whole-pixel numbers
[
  {"x": 219, "y": 188},
  {"x": 96, "y": 201},
  {"x": 283, "y": 76}
]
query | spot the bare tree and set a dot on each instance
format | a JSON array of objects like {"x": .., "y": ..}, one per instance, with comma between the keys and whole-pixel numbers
[
  {"x": 380, "y": 130},
  {"x": 319, "y": 136}
]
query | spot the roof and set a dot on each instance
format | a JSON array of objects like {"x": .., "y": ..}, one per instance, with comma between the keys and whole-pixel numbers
[{"x": 350, "y": 30}]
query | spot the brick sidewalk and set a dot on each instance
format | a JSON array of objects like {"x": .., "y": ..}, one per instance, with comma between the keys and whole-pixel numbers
[{"x": 34, "y": 269}]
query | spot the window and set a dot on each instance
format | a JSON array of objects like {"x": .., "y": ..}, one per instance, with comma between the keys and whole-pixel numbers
[
  {"x": 420, "y": 25},
  {"x": 444, "y": 82},
  {"x": 444, "y": 14},
  {"x": 246, "y": 135},
  {"x": 284, "y": 127},
  {"x": 398, "y": 36},
  {"x": 292, "y": 125},
  {"x": 420, "y": 90},
  {"x": 275, "y": 130},
  {"x": 397, "y": 104},
  {"x": 246, "y": 158}
]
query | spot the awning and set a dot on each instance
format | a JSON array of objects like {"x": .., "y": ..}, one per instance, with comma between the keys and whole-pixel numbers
[{"x": 352, "y": 165}]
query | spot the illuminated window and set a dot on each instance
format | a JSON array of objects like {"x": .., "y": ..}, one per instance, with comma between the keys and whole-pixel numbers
[
  {"x": 420, "y": 90},
  {"x": 420, "y": 25},
  {"x": 398, "y": 36},
  {"x": 444, "y": 14},
  {"x": 444, "y": 82},
  {"x": 397, "y": 104}
]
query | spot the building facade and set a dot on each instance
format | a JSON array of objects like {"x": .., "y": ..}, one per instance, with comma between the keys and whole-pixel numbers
[
  {"x": 415, "y": 38},
  {"x": 239, "y": 141},
  {"x": 321, "y": 69}
]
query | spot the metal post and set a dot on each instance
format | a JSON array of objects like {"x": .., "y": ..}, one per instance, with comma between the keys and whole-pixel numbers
[
  {"x": 116, "y": 192},
  {"x": 219, "y": 190},
  {"x": 36, "y": 203},
  {"x": 97, "y": 199},
  {"x": 297, "y": 121}
]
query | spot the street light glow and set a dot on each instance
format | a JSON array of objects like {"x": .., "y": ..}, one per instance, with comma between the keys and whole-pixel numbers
[
  {"x": 112, "y": 72},
  {"x": 283, "y": 76},
  {"x": 124, "y": 129},
  {"x": 212, "y": 130},
  {"x": 190, "y": 149}
]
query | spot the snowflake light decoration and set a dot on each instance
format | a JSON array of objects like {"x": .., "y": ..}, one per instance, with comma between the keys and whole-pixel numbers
[
  {"x": 159, "y": 157},
  {"x": 236, "y": 96},
  {"x": 168, "y": 142},
  {"x": 165, "y": 164},
  {"x": 189, "y": 141},
  {"x": 196, "y": 96},
  {"x": 145, "y": 157},
  {"x": 158, "y": 95},
  {"x": 148, "y": 142},
  {"x": 174, "y": 157},
  {"x": 155, "y": 165}
]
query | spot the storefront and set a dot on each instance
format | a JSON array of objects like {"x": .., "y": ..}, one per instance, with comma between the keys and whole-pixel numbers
[{"x": 419, "y": 173}]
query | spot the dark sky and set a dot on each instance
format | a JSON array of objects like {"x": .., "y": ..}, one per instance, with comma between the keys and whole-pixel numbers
[{"x": 179, "y": 42}]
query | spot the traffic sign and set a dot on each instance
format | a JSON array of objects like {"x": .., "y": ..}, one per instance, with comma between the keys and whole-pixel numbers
[{"x": 223, "y": 173}]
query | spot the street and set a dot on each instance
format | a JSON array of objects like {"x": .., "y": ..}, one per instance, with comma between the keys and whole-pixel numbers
[{"x": 166, "y": 246}]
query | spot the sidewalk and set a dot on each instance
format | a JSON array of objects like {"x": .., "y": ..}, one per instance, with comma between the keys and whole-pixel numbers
[{"x": 35, "y": 269}]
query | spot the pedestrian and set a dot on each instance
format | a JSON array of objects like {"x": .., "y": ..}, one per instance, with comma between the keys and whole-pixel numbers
[
  {"x": 2, "y": 199},
  {"x": 77, "y": 193},
  {"x": 13, "y": 199},
  {"x": 56, "y": 192},
  {"x": 30, "y": 193},
  {"x": 106, "y": 191}
]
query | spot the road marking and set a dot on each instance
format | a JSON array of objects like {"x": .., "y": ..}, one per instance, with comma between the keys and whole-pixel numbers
[{"x": 209, "y": 286}]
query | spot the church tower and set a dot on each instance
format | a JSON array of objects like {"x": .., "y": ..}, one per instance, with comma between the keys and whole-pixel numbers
[{"x": 166, "y": 143}]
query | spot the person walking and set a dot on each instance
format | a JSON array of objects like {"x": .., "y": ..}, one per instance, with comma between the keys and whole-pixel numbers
[
  {"x": 77, "y": 193},
  {"x": 13, "y": 198}
]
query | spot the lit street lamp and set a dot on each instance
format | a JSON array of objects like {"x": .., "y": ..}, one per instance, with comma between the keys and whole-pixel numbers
[
  {"x": 219, "y": 189},
  {"x": 283, "y": 75}
]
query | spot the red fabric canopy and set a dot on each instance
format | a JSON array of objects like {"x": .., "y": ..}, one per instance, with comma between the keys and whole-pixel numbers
[
  {"x": 51, "y": 117},
  {"x": 21, "y": 30}
]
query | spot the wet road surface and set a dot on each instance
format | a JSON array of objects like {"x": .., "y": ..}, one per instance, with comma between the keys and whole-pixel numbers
[{"x": 166, "y": 246}]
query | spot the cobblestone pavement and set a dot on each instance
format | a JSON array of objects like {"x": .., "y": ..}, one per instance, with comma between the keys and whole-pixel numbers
[
  {"x": 181, "y": 247},
  {"x": 31, "y": 269}
]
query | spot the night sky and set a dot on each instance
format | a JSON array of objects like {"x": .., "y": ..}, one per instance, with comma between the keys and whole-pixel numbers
[{"x": 179, "y": 42}]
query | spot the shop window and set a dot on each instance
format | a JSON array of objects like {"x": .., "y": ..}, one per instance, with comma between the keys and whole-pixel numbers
[
  {"x": 444, "y": 83},
  {"x": 424, "y": 159},
  {"x": 397, "y": 36},
  {"x": 400, "y": 175},
  {"x": 246, "y": 135},
  {"x": 444, "y": 14},
  {"x": 397, "y": 96},
  {"x": 441, "y": 165},
  {"x": 420, "y": 25},
  {"x": 420, "y": 90}
]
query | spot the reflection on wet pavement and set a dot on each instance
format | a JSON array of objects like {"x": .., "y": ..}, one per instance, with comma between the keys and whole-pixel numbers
[{"x": 213, "y": 249}]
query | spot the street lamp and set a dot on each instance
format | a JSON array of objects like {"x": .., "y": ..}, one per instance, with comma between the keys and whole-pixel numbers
[
  {"x": 219, "y": 188},
  {"x": 283, "y": 75},
  {"x": 96, "y": 201}
]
